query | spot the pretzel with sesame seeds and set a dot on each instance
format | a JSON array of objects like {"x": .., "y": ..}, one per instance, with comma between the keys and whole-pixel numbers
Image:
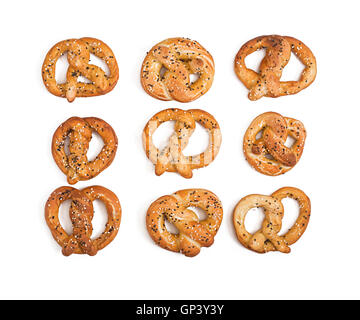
[
  {"x": 78, "y": 55},
  {"x": 81, "y": 214},
  {"x": 269, "y": 154},
  {"x": 75, "y": 164},
  {"x": 180, "y": 58},
  {"x": 171, "y": 158},
  {"x": 267, "y": 239},
  {"x": 267, "y": 82},
  {"x": 193, "y": 234}
]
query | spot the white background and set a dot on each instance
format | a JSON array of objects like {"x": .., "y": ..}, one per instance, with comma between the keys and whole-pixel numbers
[{"x": 324, "y": 263}]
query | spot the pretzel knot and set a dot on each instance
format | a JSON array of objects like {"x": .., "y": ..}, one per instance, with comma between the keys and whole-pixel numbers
[
  {"x": 81, "y": 214},
  {"x": 269, "y": 154},
  {"x": 171, "y": 158},
  {"x": 178, "y": 58},
  {"x": 75, "y": 164},
  {"x": 267, "y": 239},
  {"x": 78, "y": 55},
  {"x": 193, "y": 234},
  {"x": 278, "y": 51}
]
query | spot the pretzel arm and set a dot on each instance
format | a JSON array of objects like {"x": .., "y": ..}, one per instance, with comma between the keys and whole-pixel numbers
[
  {"x": 302, "y": 221},
  {"x": 155, "y": 221},
  {"x": 113, "y": 209},
  {"x": 308, "y": 75},
  {"x": 207, "y": 121}
]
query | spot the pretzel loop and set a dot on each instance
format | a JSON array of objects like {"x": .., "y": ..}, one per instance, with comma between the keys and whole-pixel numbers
[
  {"x": 78, "y": 51},
  {"x": 267, "y": 82},
  {"x": 267, "y": 239},
  {"x": 76, "y": 164},
  {"x": 180, "y": 57},
  {"x": 81, "y": 215},
  {"x": 269, "y": 154},
  {"x": 171, "y": 158},
  {"x": 193, "y": 234}
]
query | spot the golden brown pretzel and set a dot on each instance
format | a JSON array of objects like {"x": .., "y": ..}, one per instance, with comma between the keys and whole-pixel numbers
[
  {"x": 79, "y": 130},
  {"x": 78, "y": 51},
  {"x": 278, "y": 51},
  {"x": 180, "y": 57},
  {"x": 193, "y": 234},
  {"x": 268, "y": 154},
  {"x": 81, "y": 214},
  {"x": 171, "y": 158},
  {"x": 267, "y": 239}
]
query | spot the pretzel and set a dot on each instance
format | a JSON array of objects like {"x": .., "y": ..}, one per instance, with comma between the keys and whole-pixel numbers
[
  {"x": 180, "y": 57},
  {"x": 79, "y": 131},
  {"x": 78, "y": 55},
  {"x": 81, "y": 213},
  {"x": 278, "y": 51},
  {"x": 268, "y": 154},
  {"x": 267, "y": 239},
  {"x": 171, "y": 158},
  {"x": 193, "y": 234}
]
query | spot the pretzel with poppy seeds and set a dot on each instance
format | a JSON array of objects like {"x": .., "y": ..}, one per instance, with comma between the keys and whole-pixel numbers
[
  {"x": 193, "y": 234},
  {"x": 171, "y": 158},
  {"x": 268, "y": 154},
  {"x": 81, "y": 214},
  {"x": 267, "y": 239},
  {"x": 79, "y": 131},
  {"x": 78, "y": 55},
  {"x": 266, "y": 82},
  {"x": 179, "y": 58}
]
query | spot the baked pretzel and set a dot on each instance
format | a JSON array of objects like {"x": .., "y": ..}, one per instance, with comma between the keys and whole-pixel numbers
[
  {"x": 180, "y": 57},
  {"x": 81, "y": 213},
  {"x": 267, "y": 82},
  {"x": 193, "y": 234},
  {"x": 267, "y": 239},
  {"x": 79, "y": 131},
  {"x": 268, "y": 154},
  {"x": 171, "y": 158},
  {"x": 78, "y": 55}
]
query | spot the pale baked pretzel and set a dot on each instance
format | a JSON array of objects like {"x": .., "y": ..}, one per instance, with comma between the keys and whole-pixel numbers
[
  {"x": 180, "y": 57},
  {"x": 268, "y": 154},
  {"x": 79, "y": 131},
  {"x": 81, "y": 214},
  {"x": 278, "y": 51},
  {"x": 171, "y": 158},
  {"x": 267, "y": 239},
  {"x": 78, "y": 55},
  {"x": 193, "y": 234}
]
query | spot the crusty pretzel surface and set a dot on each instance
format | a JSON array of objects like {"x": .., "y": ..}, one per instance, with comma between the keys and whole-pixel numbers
[
  {"x": 269, "y": 154},
  {"x": 171, "y": 158},
  {"x": 193, "y": 234},
  {"x": 78, "y": 55},
  {"x": 267, "y": 82},
  {"x": 75, "y": 164},
  {"x": 178, "y": 58},
  {"x": 267, "y": 239},
  {"x": 81, "y": 213}
]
